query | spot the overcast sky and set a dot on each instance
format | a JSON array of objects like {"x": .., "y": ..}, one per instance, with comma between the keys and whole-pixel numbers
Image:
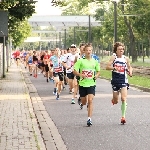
[{"x": 43, "y": 7}]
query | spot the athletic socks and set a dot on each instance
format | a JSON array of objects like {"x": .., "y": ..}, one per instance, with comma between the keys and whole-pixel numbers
[
  {"x": 89, "y": 118},
  {"x": 123, "y": 108}
]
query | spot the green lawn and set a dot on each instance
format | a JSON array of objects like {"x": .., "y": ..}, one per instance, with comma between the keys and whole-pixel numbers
[
  {"x": 140, "y": 62},
  {"x": 136, "y": 80}
]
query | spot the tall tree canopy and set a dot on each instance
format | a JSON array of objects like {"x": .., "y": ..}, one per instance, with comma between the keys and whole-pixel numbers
[
  {"x": 18, "y": 13},
  {"x": 133, "y": 20}
]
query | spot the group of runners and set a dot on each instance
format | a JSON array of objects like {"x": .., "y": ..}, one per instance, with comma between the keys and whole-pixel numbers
[{"x": 79, "y": 68}]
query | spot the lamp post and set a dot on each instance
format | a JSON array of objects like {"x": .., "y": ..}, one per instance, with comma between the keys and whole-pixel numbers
[
  {"x": 3, "y": 75},
  {"x": 115, "y": 19},
  {"x": 89, "y": 33}
]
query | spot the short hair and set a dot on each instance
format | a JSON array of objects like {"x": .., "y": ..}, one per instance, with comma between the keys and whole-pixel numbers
[
  {"x": 88, "y": 45},
  {"x": 117, "y": 44},
  {"x": 82, "y": 44}
]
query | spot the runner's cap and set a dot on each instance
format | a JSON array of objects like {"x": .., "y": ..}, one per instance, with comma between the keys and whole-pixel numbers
[{"x": 73, "y": 46}]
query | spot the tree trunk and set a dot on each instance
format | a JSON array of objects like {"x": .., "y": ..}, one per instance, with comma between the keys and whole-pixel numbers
[{"x": 132, "y": 46}]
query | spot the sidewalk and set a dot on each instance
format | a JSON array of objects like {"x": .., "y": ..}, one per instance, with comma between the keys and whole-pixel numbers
[{"x": 19, "y": 129}]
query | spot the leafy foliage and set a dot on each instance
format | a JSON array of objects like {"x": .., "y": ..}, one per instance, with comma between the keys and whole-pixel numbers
[{"x": 18, "y": 13}]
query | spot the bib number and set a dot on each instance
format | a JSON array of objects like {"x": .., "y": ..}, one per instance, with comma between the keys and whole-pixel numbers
[
  {"x": 88, "y": 73},
  {"x": 60, "y": 69},
  {"x": 120, "y": 68}
]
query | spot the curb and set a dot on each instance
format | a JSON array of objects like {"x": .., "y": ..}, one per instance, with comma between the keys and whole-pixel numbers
[
  {"x": 38, "y": 137},
  {"x": 49, "y": 132}
]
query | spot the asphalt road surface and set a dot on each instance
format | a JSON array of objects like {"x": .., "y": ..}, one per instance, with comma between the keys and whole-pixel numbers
[{"x": 106, "y": 133}]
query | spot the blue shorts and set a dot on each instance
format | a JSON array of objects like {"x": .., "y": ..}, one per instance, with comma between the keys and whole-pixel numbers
[{"x": 118, "y": 87}]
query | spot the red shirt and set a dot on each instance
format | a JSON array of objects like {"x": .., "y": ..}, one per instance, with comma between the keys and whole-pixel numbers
[
  {"x": 47, "y": 56},
  {"x": 16, "y": 54}
]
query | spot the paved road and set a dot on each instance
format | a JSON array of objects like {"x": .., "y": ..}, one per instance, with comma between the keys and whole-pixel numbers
[{"x": 106, "y": 133}]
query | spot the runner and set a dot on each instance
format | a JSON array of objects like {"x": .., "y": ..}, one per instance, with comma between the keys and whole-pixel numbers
[
  {"x": 119, "y": 65},
  {"x": 30, "y": 62},
  {"x": 42, "y": 62},
  {"x": 52, "y": 53},
  {"x": 82, "y": 55},
  {"x": 76, "y": 81},
  {"x": 68, "y": 63},
  {"x": 89, "y": 72},
  {"x": 57, "y": 72},
  {"x": 17, "y": 56},
  {"x": 24, "y": 58},
  {"x": 46, "y": 65},
  {"x": 35, "y": 64}
]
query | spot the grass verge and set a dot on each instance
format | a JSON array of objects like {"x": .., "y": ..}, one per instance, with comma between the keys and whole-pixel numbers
[{"x": 135, "y": 80}]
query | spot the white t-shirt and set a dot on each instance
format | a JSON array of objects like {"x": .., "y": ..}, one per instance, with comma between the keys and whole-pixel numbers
[{"x": 69, "y": 60}]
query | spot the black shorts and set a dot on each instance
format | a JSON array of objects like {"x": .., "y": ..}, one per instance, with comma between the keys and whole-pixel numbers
[
  {"x": 83, "y": 91},
  {"x": 70, "y": 75},
  {"x": 64, "y": 71},
  {"x": 46, "y": 68},
  {"x": 118, "y": 87},
  {"x": 42, "y": 64},
  {"x": 60, "y": 75}
]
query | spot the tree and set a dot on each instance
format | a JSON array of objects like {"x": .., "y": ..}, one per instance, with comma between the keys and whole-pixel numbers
[
  {"x": 129, "y": 25},
  {"x": 18, "y": 13}
]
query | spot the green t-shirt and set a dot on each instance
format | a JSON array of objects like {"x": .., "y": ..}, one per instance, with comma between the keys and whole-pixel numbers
[{"x": 89, "y": 68}]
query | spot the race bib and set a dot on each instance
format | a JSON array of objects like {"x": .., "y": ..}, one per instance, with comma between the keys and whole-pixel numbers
[
  {"x": 60, "y": 69},
  {"x": 88, "y": 73},
  {"x": 120, "y": 68}
]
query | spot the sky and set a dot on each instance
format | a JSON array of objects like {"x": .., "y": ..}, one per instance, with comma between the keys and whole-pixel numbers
[{"x": 43, "y": 7}]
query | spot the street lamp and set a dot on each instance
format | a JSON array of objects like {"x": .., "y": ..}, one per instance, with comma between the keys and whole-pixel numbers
[
  {"x": 3, "y": 54},
  {"x": 115, "y": 19}
]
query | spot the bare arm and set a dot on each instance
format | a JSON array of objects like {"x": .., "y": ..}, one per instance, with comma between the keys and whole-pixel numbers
[
  {"x": 130, "y": 69},
  {"x": 109, "y": 64},
  {"x": 76, "y": 58}
]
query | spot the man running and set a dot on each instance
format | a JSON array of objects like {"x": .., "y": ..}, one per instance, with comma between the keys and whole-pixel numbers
[
  {"x": 68, "y": 63},
  {"x": 89, "y": 72},
  {"x": 57, "y": 72},
  {"x": 120, "y": 66}
]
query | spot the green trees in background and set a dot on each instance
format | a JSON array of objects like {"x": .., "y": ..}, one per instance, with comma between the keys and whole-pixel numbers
[
  {"x": 133, "y": 23},
  {"x": 18, "y": 13}
]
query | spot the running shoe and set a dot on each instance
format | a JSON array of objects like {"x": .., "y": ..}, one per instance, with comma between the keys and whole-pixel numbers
[
  {"x": 64, "y": 88},
  {"x": 57, "y": 97},
  {"x": 89, "y": 123},
  {"x": 47, "y": 80},
  {"x": 50, "y": 79},
  {"x": 72, "y": 101},
  {"x": 113, "y": 102},
  {"x": 123, "y": 121},
  {"x": 81, "y": 106},
  {"x": 55, "y": 93},
  {"x": 70, "y": 91},
  {"x": 79, "y": 101},
  {"x": 35, "y": 75}
]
